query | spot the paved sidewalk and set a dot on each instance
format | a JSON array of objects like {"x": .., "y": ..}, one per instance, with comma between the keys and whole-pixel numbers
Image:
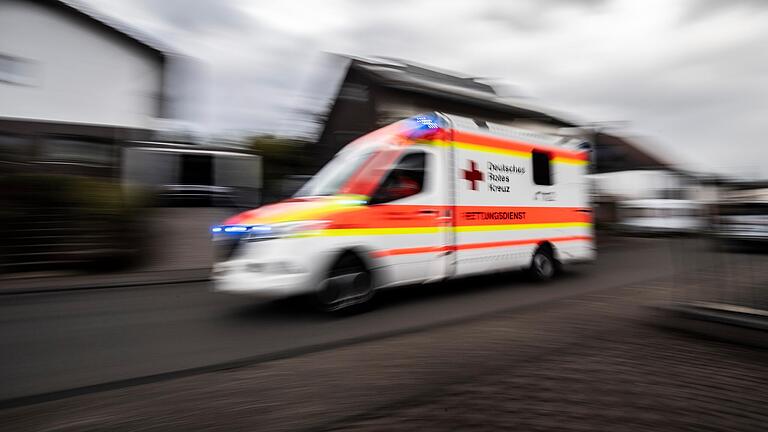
[
  {"x": 593, "y": 362},
  {"x": 181, "y": 251}
]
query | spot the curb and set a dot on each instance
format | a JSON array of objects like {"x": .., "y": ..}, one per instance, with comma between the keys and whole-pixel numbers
[
  {"x": 78, "y": 283},
  {"x": 723, "y": 322}
]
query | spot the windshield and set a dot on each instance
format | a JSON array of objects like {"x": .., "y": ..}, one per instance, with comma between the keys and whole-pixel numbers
[
  {"x": 378, "y": 149},
  {"x": 333, "y": 176}
]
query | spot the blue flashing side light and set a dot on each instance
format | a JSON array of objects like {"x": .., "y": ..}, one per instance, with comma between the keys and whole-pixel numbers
[{"x": 216, "y": 229}]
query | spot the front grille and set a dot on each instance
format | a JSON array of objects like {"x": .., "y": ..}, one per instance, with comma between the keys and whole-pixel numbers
[{"x": 227, "y": 246}]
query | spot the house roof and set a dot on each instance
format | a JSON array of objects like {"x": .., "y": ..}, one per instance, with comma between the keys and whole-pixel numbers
[
  {"x": 411, "y": 77},
  {"x": 112, "y": 26},
  {"x": 618, "y": 153}
]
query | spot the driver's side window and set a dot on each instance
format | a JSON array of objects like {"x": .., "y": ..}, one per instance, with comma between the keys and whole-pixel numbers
[{"x": 404, "y": 180}]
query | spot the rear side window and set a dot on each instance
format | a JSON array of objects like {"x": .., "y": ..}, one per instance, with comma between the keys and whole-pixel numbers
[{"x": 542, "y": 168}]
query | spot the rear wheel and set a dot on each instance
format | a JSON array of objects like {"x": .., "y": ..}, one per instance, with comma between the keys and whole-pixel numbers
[
  {"x": 348, "y": 284},
  {"x": 543, "y": 264}
]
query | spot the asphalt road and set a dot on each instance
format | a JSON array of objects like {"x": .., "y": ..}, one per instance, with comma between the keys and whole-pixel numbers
[{"x": 58, "y": 341}]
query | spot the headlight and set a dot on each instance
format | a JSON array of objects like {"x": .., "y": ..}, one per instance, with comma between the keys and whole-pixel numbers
[{"x": 285, "y": 229}]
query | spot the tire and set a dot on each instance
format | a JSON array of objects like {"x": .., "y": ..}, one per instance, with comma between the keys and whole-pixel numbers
[
  {"x": 348, "y": 286},
  {"x": 543, "y": 264}
]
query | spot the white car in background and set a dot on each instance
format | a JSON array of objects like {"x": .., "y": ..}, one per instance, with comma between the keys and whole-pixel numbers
[
  {"x": 743, "y": 217},
  {"x": 661, "y": 216}
]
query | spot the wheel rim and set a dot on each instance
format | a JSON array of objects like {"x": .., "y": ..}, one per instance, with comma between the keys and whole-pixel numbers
[
  {"x": 543, "y": 265},
  {"x": 350, "y": 286}
]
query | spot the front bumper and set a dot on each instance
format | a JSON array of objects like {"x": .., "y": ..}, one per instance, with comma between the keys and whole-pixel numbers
[
  {"x": 246, "y": 278},
  {"x": 273, "y": 268}
]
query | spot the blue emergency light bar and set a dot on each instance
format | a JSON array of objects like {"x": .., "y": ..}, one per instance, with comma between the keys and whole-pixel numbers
[
  {"x": 424, "y": 125},
  {"x": 240, "y": 229}
]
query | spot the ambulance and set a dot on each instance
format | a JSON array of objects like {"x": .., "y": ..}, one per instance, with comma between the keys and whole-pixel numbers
[{"x": 425, "y": 199}]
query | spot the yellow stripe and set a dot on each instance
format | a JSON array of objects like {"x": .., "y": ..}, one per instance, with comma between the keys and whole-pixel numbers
[
  {"x": 381, "y": 231},
  {"x": 435, "y": 230},
  {"x": 569, "y": 161},
  {"x": 322, "y": 209},
  {"x": 496, "y": 150},
  {"x": 437, "y": 143},
  {"x": 476, "y": 228}
]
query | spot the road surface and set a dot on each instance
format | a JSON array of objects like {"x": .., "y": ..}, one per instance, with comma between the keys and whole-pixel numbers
[{"x": 58, "y": 341}]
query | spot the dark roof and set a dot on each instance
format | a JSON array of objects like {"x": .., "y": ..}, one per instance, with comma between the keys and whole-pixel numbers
[
  {"x": 613, "y": 152},
  {"x": 618, "y": 153},
  {"x": 112, "y": 26},
  {"x": 747, "y": 184},
  {"x": 411, "y": 77}
]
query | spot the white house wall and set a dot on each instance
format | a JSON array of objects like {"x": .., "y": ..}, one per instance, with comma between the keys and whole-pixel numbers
[
  {"x": 636, "y": 184},
  {"x": 77, "y": 71}
]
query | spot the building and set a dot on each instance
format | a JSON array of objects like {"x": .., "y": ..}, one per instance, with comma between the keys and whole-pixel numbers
[
  {"x": 376, "y": 92},
  {"x": 83, "y": 94},
  {"x": 72, "y": 85}
]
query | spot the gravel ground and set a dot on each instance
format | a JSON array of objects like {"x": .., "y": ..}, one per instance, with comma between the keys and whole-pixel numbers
[{"x": 593, "y": 362}]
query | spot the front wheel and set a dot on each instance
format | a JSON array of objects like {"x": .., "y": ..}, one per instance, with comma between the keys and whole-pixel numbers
[
  {"x": 348, "y": 284},
  {"x": 543, "y": 264}
]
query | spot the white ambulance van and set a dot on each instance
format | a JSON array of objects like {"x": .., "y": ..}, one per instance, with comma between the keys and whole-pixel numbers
[{"x": 425, "y": 199}]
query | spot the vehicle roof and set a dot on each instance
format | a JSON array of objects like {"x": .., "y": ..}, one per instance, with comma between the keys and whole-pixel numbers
[
  {"x": 422, "y": 125},
  {"x": 569, "y": 141}
]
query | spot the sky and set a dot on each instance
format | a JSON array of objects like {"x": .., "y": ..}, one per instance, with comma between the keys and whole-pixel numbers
[{"x": 690, "y": 77}]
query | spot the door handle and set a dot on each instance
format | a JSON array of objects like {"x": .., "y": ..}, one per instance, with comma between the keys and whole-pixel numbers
[{"x": 428, "y": 212}]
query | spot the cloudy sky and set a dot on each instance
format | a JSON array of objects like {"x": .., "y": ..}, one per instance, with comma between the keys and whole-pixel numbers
[{"x": 690, "y": 76}]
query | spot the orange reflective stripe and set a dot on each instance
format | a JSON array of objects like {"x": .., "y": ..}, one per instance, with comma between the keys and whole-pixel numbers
[
  {"x": 508, "y": 144},
  {"x": 519, "y": 242},
  {"x": 388, "y": 216},
  {"x": 411, "y": 251},
  {"x": 493, "y": 215},
  {"x": 469, "y": 246},
  {"x": 407, "y": 216}
]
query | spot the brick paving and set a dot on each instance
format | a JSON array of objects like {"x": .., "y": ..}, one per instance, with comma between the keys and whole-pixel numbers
[
  {"x": 593, "y": 362},
  {"x": 706, "y": 273},
  {"x": 636, "y": 379}
]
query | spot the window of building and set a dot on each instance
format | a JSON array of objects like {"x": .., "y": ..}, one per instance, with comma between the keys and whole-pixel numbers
[
  {"x": 16, "y": 70},
  {"x": 542, "y": 168},
  {"x": 354, "y": 92},
  {"x": 77, "y": 151},
  {"x": 13, "y": 148},
  {"x": 404, "y": 180},
  {"x": 196, "y": 169}
]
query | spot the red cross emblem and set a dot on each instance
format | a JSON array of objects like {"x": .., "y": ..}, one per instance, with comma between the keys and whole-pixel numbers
[{"x": 473, "y": 175}]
